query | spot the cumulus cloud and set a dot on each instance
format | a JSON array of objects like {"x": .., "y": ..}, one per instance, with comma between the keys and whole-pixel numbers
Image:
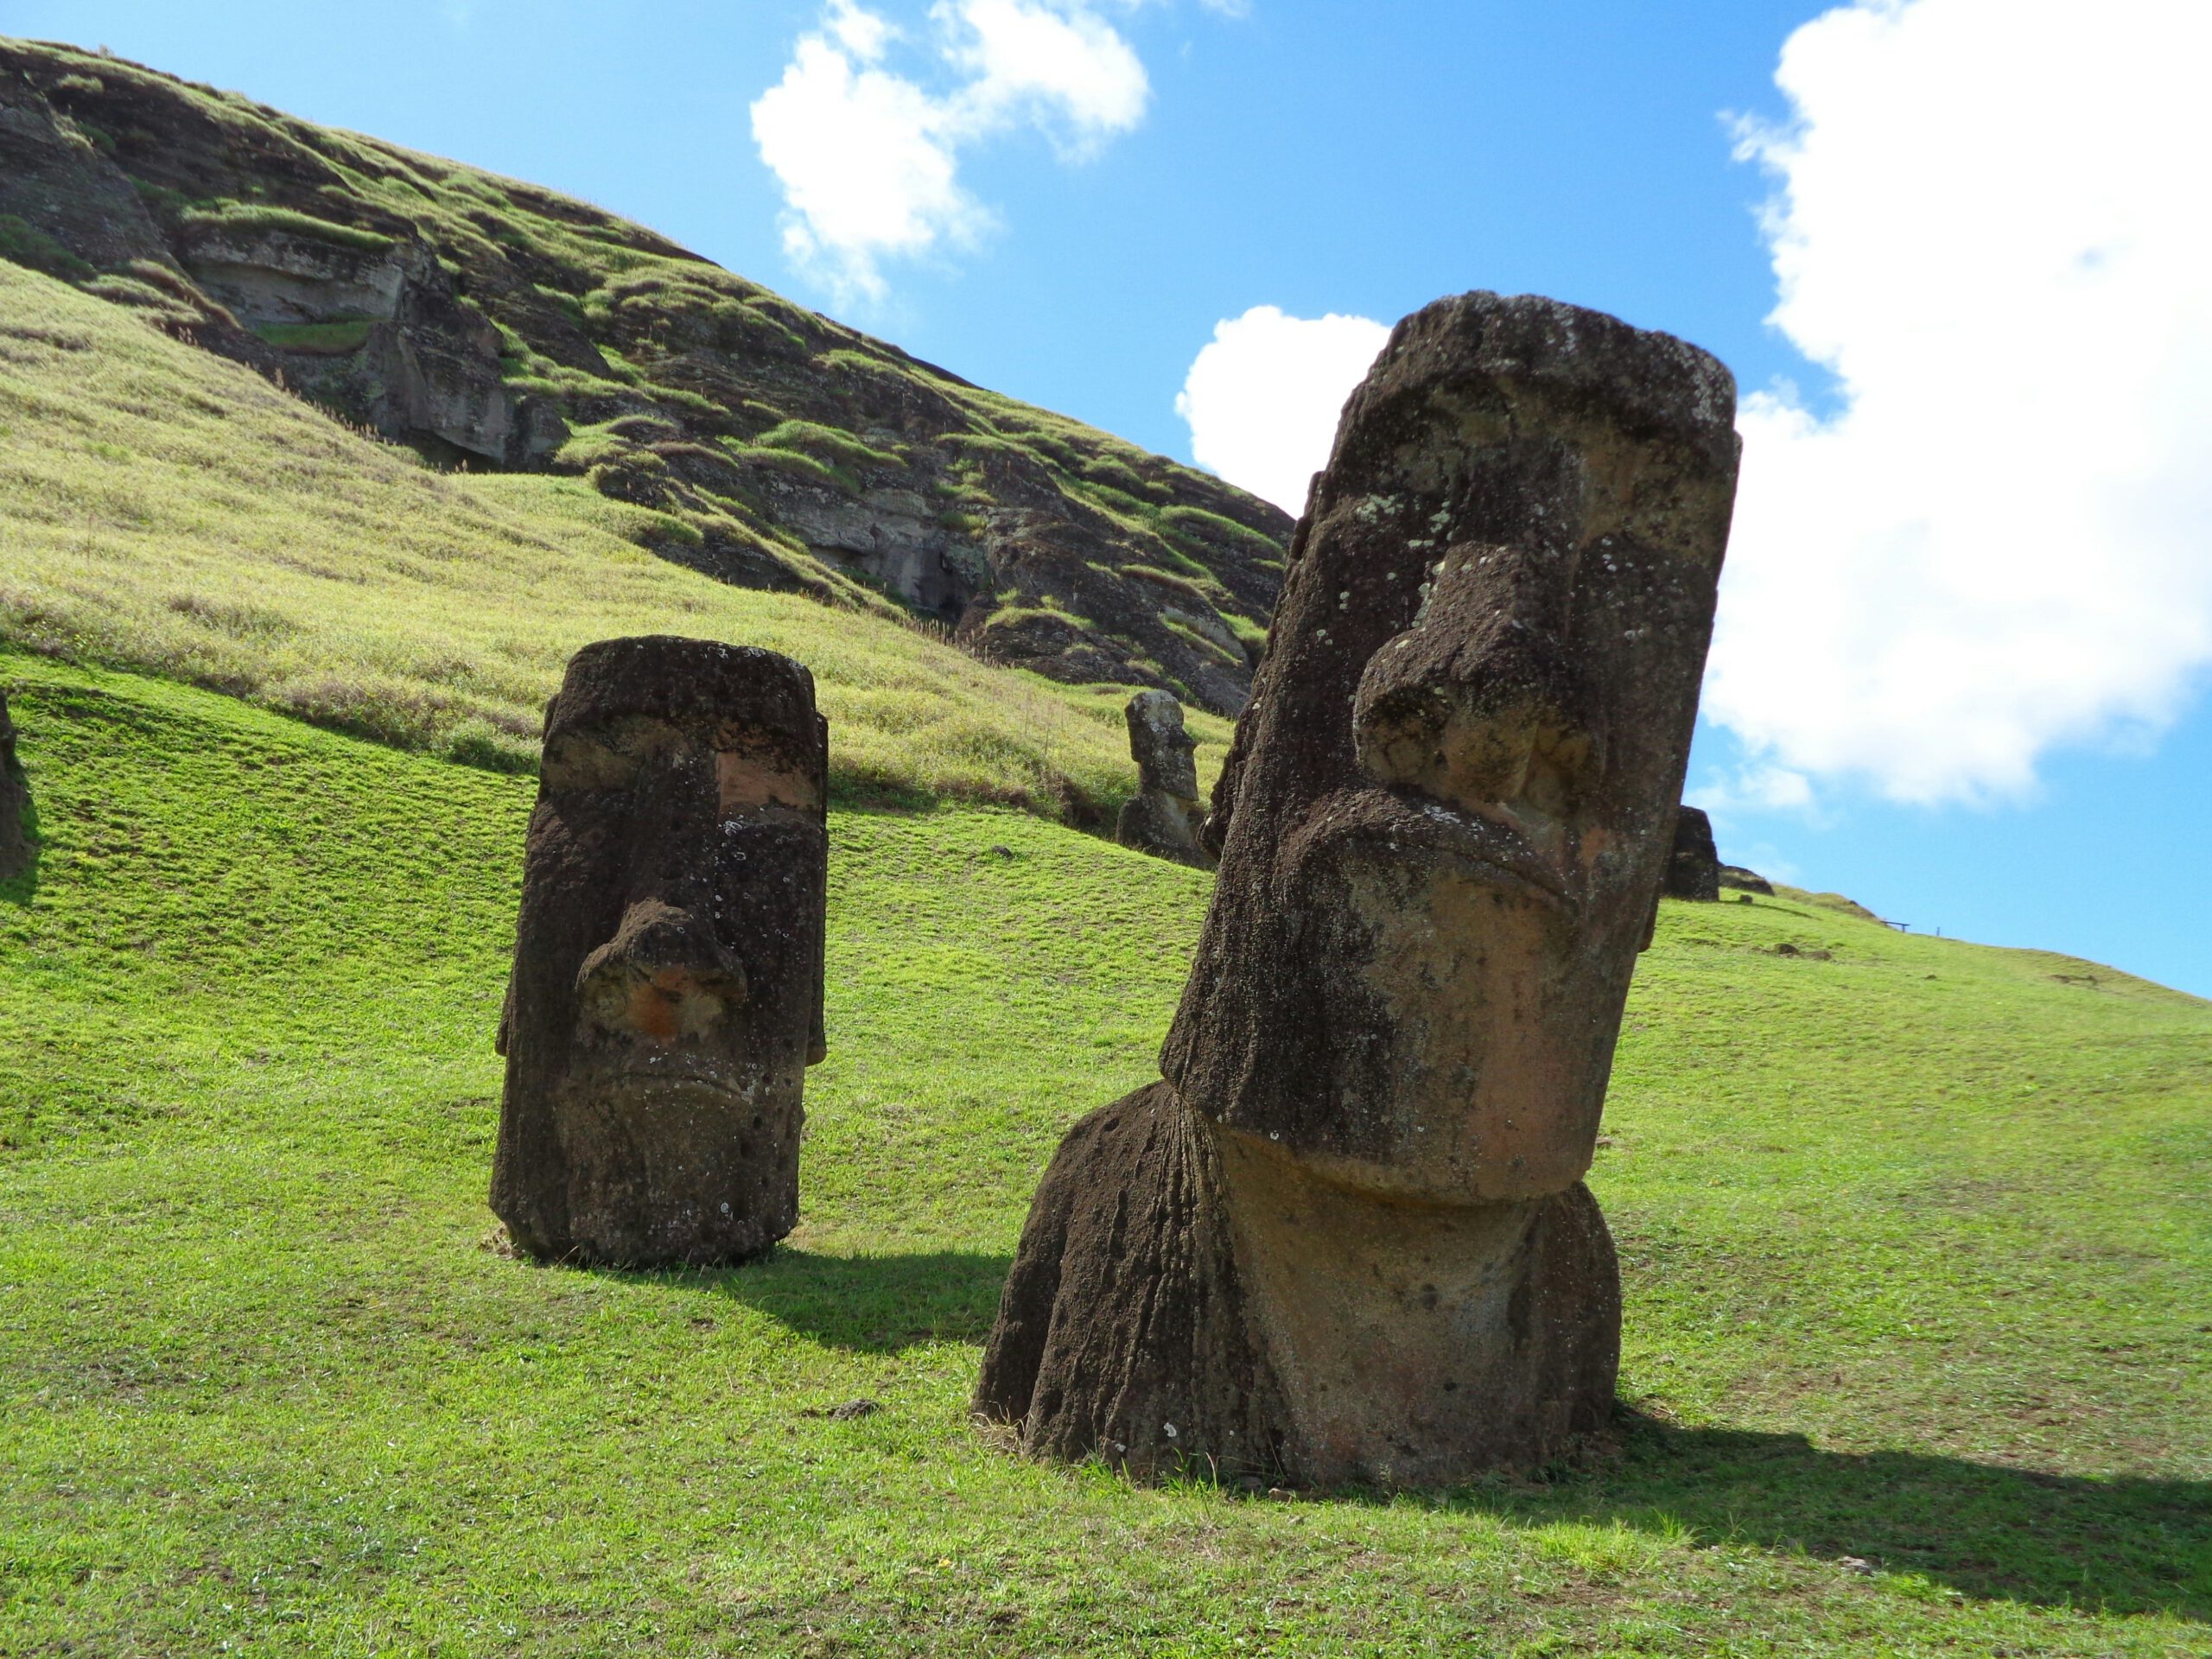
[
  {"x": 1991, "y": 225},
  {"x": 1262, "y": 397},
  {"x": 868, "y": 158}
]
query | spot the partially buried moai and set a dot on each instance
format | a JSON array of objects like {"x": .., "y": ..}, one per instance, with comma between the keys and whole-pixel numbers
[
  {"x": 666, "y": 997},
  {"x": 1164, "y": 816},
  {"x": 1694, "y": 867},
  {"x": 15, "y": 800},
  {"x": 1347, "y": 1239}
]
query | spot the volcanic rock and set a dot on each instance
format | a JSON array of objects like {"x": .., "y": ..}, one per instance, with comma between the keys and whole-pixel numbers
[
  {"x": 1694, "y": 871},
  {"x": 1164, "y": 816},
  {"x": 1346, "y": 1238},
  {"x": 14, "y": 803},
  {"x": 666, "y": 998}
]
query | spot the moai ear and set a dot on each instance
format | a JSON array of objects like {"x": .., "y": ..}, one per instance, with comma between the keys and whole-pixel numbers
[{"x": 506, "y": 1019}]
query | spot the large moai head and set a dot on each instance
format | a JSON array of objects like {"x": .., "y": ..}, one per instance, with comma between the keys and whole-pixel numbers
[
  {"x": 666, "y": 996},
  {"x": 1449, "y": 805},
  {"x": 15, "y": 798}
]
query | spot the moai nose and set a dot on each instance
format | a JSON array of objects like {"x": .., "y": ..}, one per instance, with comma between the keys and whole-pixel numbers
[{"x": 664, "y": 975}]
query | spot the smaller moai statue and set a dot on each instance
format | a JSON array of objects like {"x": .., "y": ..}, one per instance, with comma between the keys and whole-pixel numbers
[
  {"x": 1164, "y": 818},
  {"x": 15, "y": 802},
  {"x": 1694, "y": 868},
  {"x": 666, "y": 997}
]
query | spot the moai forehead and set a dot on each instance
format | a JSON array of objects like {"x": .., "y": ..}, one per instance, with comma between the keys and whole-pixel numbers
[
  {"x": 1470, "y": 730},
  {"x": 629, "y": 703}
]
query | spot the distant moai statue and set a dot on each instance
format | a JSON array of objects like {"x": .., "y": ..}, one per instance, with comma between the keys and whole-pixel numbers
[
  {"x": 1346, "y": 1238},
  {"x": 14, "y": 803},
  {"x": 1693, "y": 870},
  {"x": 666, "y": 998},
  {"x": 1164, "y": 816}
]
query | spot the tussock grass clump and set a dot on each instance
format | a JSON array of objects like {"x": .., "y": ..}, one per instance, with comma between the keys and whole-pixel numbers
[
  {"x": 258, "y": 216},
  {"x": 152, "y": 495}
]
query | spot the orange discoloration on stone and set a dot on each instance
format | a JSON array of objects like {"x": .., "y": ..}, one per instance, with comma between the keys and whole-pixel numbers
[{"x": 747, "y": 784}]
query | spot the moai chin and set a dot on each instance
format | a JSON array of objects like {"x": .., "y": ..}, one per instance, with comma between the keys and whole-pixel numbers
[
  {"x": 666, "y": 998},
  {"x": 1346, "y": 1238},
  {"x": 1164, "y": 818},
  {"x": 14, "y": 797}
]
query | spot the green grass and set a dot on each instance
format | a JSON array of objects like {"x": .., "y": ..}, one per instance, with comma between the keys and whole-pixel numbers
[
  {"x": 320, "y": 339},
  {"x": 166, "y": 510},
  {"x": 260, "y": 216},
  {"x": 1914, "y": 1236}
]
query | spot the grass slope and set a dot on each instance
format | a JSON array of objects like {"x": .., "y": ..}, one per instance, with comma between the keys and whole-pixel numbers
[
  {"x": 1916, "y": 1248},
  {"x": 753, "y": 425},
  {"x": 162, "y": 508}
]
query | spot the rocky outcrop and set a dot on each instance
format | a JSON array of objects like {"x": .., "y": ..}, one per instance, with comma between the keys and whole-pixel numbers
[
  {"x": 374, "y": 327},
  {"x": 666, "y": 997},
  {"x": 1164, "y": 818},
  {"x": 14, "y": 803},
  {"x": 1694, "y": 869},
  {"x": 1737, "y": 879},
  {"x": 1345, "y": 1238},
  {"x": 489, "y": 323}
]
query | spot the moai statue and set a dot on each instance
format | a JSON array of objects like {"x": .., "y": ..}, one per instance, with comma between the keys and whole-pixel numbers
[
  {"x": 1693, "y": 870},
  {"x": 1164, "y": 818},
  {"x": 666, "y": 998},
  {"x": 1346, "y": 1238},
  {"x": 15, "y": 801}
]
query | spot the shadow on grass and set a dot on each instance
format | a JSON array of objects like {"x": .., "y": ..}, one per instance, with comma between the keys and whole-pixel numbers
[
  {"x": 868, "y": 1304},
  {"x": 2125, "y": 1544}
]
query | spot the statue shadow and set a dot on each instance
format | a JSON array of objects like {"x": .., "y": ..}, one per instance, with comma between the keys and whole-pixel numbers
[
  {"x": 863, "y": 1304},
  {"x": 2125, "y": 1544}
]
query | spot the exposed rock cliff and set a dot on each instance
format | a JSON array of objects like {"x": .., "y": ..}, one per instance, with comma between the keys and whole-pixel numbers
[{"x": 490, "y": 323}]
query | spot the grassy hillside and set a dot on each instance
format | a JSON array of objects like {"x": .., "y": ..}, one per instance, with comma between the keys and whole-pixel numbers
[
  {"x": 493, "y": 323},
  {"x": 162, "y": 508},
  {"x": 1918, "y": 1260}
]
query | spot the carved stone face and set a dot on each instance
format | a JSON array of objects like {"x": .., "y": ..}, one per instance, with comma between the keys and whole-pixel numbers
[
  {"x": 1164, "y": 751},
  {"x": 1474, "y": 716},
  {"x": 667, "y": 992}
]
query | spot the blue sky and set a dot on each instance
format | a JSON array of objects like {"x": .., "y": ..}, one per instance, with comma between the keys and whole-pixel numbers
[{"x": 1963, "y": 654}]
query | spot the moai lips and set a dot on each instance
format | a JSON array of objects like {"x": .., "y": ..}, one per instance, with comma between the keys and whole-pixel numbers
[
  {"x": 666, "y": 997},
  {"x": 1164, "y": 818},
  {"x": 1443, "y": 826}
]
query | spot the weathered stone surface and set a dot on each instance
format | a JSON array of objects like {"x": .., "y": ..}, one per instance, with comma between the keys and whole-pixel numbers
[
  {"x": 378, "y": 331},
  {"x": 1693, "y": 870},
  {"x": 1164, "y": 816},
  {"x": 666, "y": 997},
  {"x": 1739, "y": 879},
  {"x": 1346, "y": 1238},
  {"x": 14, "y": 803}
]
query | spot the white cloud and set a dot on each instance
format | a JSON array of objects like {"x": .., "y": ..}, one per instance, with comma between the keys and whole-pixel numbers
[
  {"x": 1028, "y": 61},
  {"x": 1261, "y": 399},
  {"x": 1991, "y": 224},
  {"x": 868, "y": 159}
]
